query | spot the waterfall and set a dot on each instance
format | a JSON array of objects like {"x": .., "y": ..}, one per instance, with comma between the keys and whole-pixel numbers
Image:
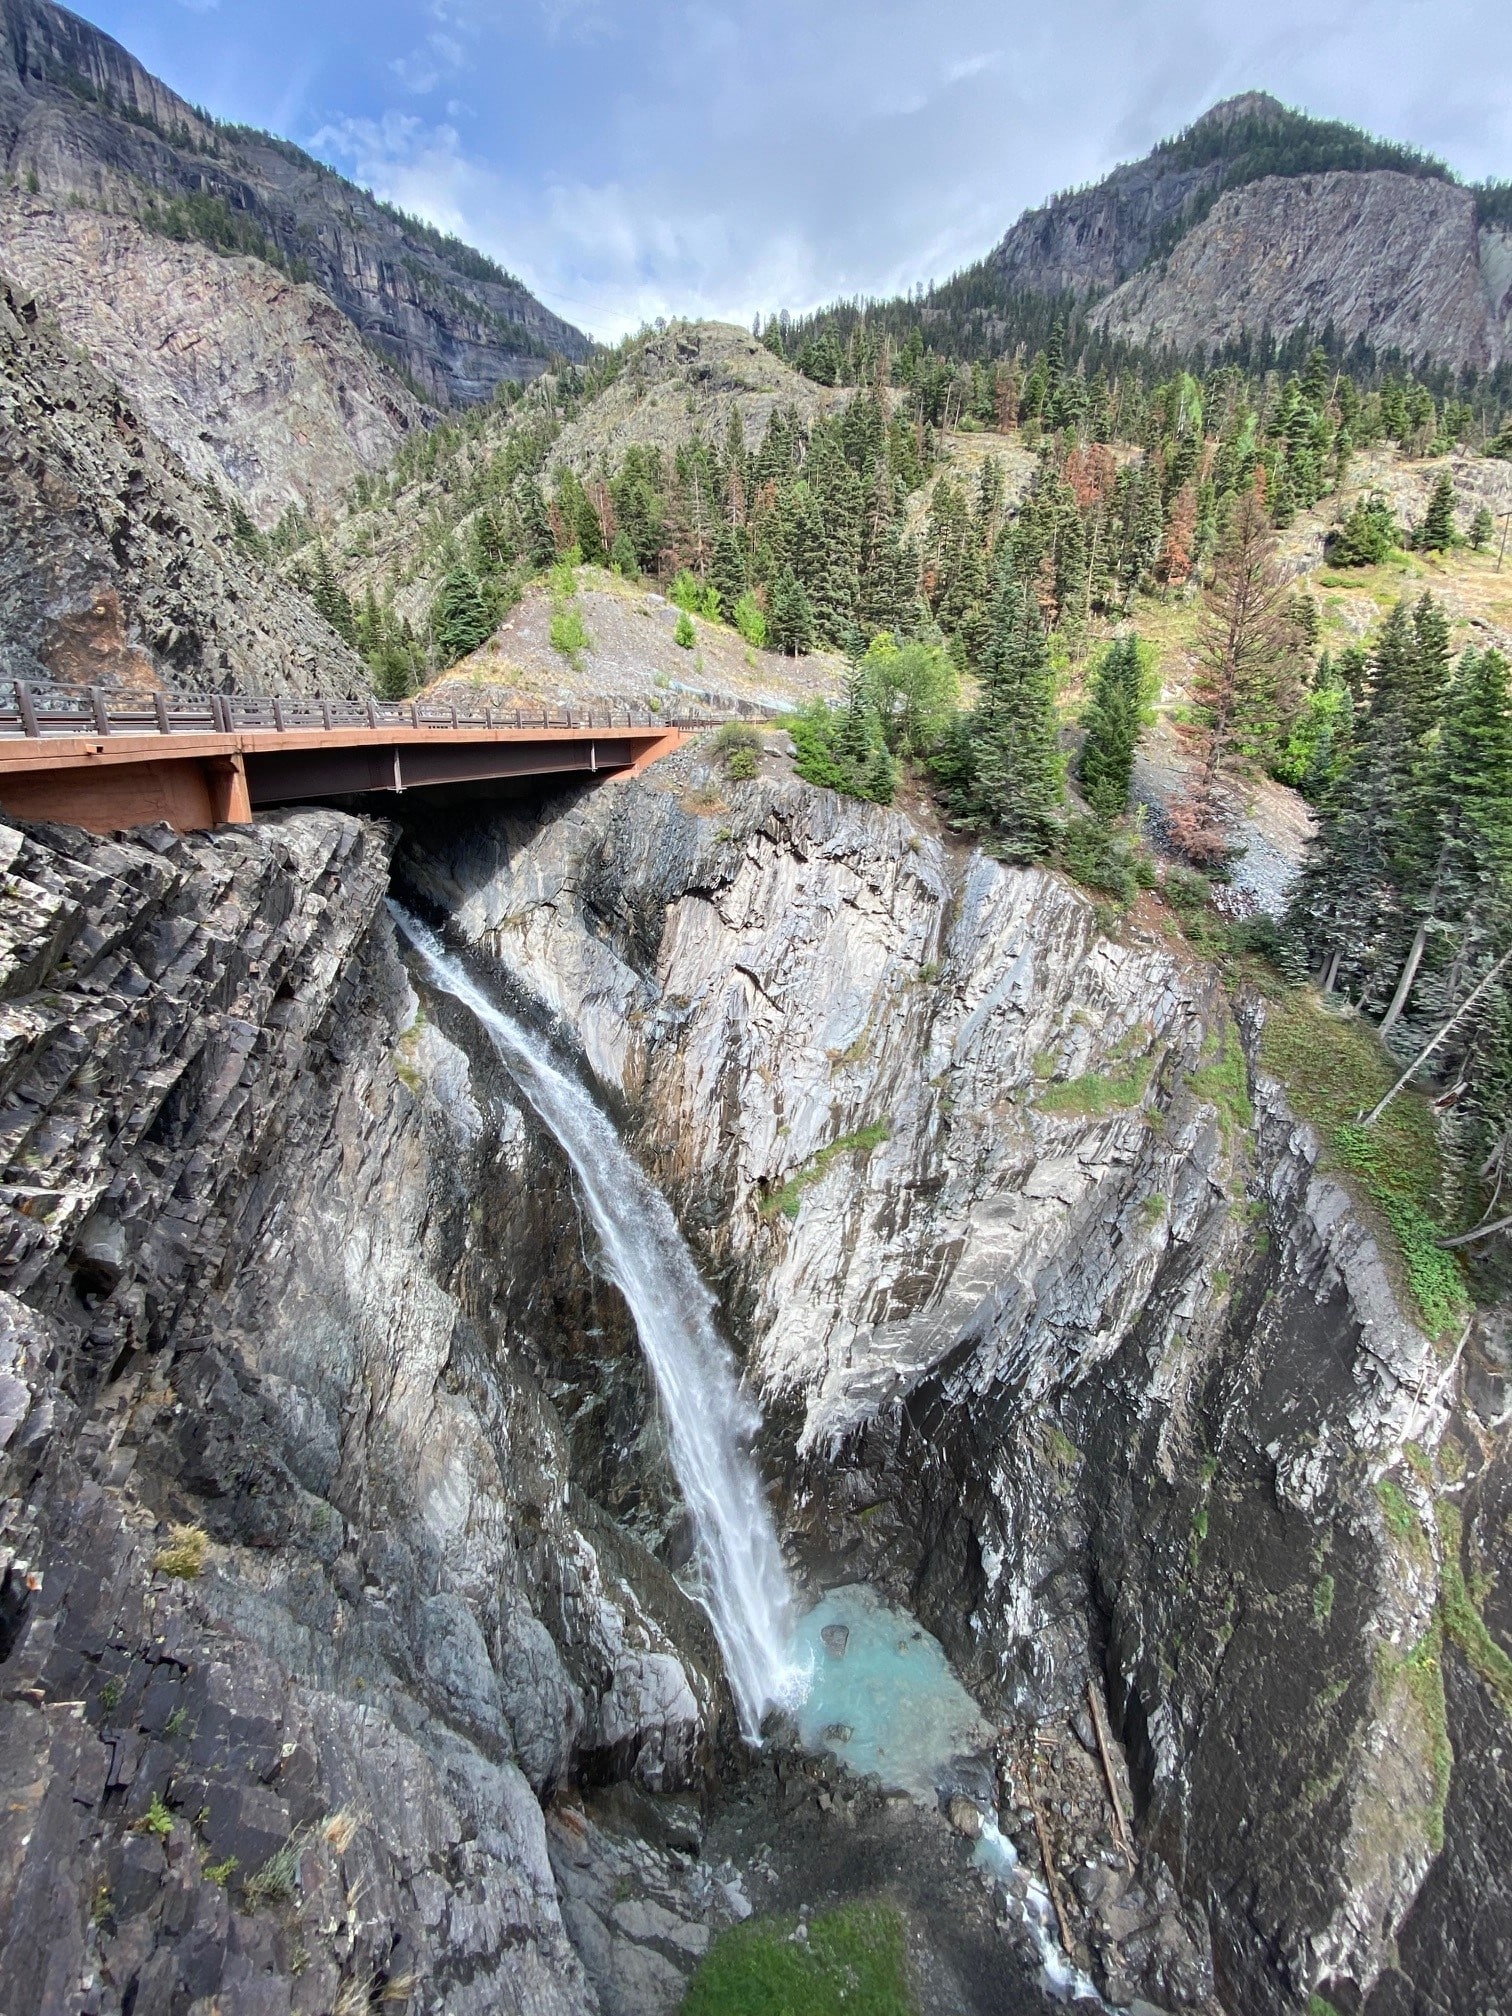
[{"x": 710, "y": 1420}]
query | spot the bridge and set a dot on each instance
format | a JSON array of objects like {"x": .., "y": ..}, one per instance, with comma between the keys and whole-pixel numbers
[{"x": 111, "y": 759}]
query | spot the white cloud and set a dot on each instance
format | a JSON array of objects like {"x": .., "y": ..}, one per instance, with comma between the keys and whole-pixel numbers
[{"x": 631, "y": 159}]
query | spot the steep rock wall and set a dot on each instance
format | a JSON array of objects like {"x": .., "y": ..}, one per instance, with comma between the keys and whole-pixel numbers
[
  {"x": 257, "y": 383},
  {"x": 116, "y": 568},
  {"x": 86, "y": 120},
  {"x": 1060, "y": 1331},
  {"x": 1396, "y": 260},
  {"x": 272, "y": 1254}
]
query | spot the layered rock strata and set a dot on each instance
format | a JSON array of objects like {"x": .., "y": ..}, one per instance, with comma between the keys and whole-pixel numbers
[
  {"x": 116, "y": 568},
  {"x": 303, "y": 1613},
  {"x": 258, "y": 384},
  {"x": 1076, "y": 1348}
]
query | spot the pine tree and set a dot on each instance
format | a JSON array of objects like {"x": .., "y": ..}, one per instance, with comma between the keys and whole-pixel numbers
[
  {"x": 537, "y": 545},
  {"x": 1366, "y": 537},
  {"x": 1016, "y": 783},
  {"x": 460, "y": 616},
  {"x": 1461, "y": 890},
  {"x": 1482, "y": 525},
  {"x": 1437, "y": 534},
  {"x": 1246, "y": 653},
  {"x": 790, "y": 619},
  {"x": 1114, "y": 716},
  {"x": 727, "y": 569},
  {"x": 1372, "y": 826},
  {"x": 330, "y": 598}
]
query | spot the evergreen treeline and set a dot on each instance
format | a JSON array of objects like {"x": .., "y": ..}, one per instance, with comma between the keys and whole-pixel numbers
[{"x": 1405, "y": 902}]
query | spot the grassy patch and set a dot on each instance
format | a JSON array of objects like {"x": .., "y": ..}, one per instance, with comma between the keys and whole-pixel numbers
[
  {"x": 1402, "y": 1520},
  {"x": 1333, "y": 1068},
  {"x": 1323, "y": 1599},
  {"x": 790, "y": 1196},
  {"x": 1221, "y": 1080},
  {"x": 1421, "y": 1673},
  {"x": 1100, "y": 1092},
  {"x": 275, "y": 1882},
  {"x": 1460, "y": 1607},
  {"x": 853, "y": 1963}
]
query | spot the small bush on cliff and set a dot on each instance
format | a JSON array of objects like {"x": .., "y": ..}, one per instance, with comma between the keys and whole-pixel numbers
[
  {"x": 184, "y": 1556},
  {"x": 738, "y": 745}
]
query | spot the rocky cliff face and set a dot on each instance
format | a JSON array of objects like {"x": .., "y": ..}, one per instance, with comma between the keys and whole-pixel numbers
[
  {"x": 1386, "y": 248},
  {"x": 303, "y": 1611},
  {"x": 116, "y": 567},
  {"x": 1063, "y": 1336},
  {"x": 81, "y": 116},
  {"x": 336, "y": 1526},
  {"x": 1399, "y": 261},
  {"x": 258, "y": 384}
]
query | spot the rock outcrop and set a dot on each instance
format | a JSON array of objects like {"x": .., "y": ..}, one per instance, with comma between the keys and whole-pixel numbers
[
  {"x": 1215, "y": 235},
  {"x": 1063, "y": 1336},
  {"x": 1397, "y": 261},
  {"x": 257, "y": 383},
  {"x": 686, "y": 382},
  {"x": 302, "y": 1611},
  {"x": 116, "y": 568},
  {"x": 82, "y": 119}
]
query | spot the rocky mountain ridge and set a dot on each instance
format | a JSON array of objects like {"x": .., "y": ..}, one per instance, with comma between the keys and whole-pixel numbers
[
  {"x": 258, "y": 382},
  {"x": 1206, "y": 240},
  {"x": 82, "y": 120},
  {"x": 116, "y": 568},
  {"x": 1399, "y": 262}
]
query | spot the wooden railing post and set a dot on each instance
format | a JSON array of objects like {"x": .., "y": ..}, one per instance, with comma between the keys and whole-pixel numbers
[{"x": 160, "y": 713}]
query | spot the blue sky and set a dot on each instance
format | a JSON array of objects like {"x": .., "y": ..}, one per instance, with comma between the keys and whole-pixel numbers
[{"x": 630, "y": 160}]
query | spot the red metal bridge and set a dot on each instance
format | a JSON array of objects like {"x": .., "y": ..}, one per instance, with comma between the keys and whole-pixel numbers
[{"x": 111, "y": 759}]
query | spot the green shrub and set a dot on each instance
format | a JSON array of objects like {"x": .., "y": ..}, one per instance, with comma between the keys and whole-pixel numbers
[
  {"x": 156, "y": 1820},
  {"x": 844, "y": 749},
  {"x": 750, "y": 621},
  {"x": 1101, "y": 858},
  {"x": 739, "y": 747},
  {"x": 685, "y": 634},
  {"x": 695, "y": 597},
  {"x": 569, "y": 634}
]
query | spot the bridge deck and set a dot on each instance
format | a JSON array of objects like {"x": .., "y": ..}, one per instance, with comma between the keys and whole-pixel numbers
[{"x": 114, "y": 760}]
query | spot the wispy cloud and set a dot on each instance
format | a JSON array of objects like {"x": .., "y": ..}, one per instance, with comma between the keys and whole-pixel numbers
[{"x": 631, "y": 158}]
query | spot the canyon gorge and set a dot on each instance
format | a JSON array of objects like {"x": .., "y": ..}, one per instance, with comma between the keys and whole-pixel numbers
[{"x": 353, "y": 1634}]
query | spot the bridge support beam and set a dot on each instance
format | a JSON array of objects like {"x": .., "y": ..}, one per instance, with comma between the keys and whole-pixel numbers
[{"x": 194, "y": 781}]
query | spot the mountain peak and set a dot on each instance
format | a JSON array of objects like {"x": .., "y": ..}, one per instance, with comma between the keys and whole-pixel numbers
[{"x": 1243, "y": 105}]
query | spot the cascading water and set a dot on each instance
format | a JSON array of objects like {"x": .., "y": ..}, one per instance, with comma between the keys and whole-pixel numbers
[{"x": 709, "y": 1419}]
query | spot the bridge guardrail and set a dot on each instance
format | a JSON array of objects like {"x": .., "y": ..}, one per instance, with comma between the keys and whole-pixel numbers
[{"x": 36, "y": 712}]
